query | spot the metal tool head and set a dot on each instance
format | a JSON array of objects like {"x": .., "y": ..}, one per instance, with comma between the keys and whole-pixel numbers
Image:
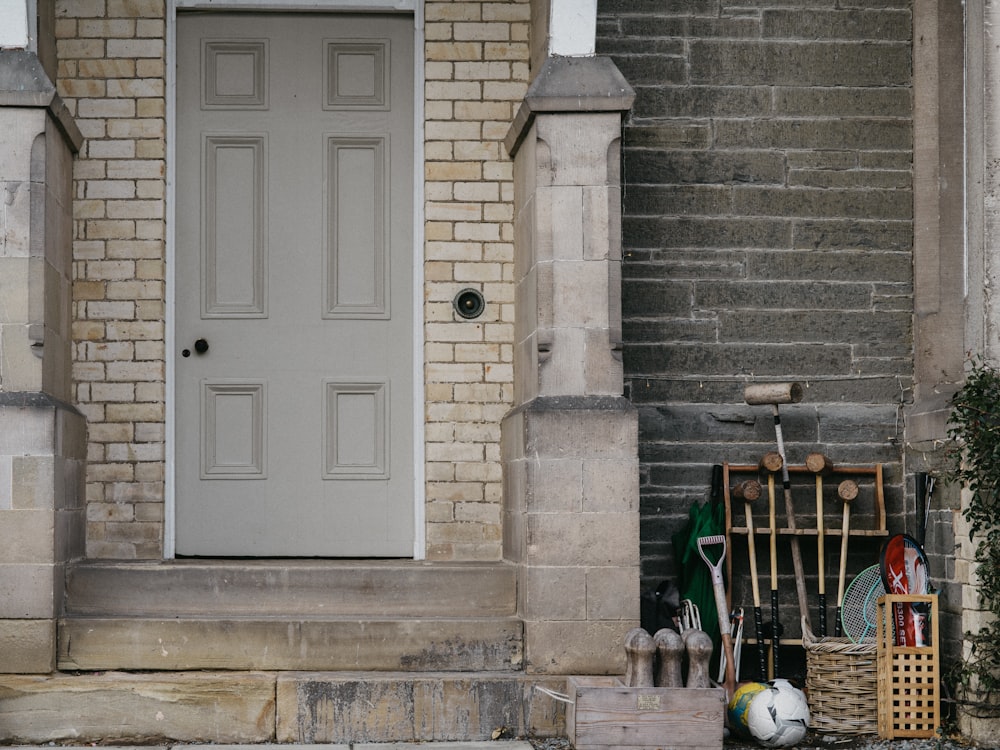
[{"x": 709, "y": 541}]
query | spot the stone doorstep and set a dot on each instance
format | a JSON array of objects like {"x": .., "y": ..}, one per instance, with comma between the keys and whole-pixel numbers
[
  {"x": 284, "y": 707},
  {"x": 289, "y": 588},
  {"x": 291, "y": 615},
  {"x": 276, "y": 644},
  {"x": 488, "y": 745}
]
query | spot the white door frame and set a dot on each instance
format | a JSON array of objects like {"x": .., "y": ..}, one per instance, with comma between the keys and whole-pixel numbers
[{"x": 416, "y": 7}]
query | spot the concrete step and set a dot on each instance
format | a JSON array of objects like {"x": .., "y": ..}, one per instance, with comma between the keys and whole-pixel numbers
[
  {"x": 284, "y": 707},
  {"x": 290, "y": 615},
  {"x": 290, "y": 588},
  {"x": 284, "y": 643}
]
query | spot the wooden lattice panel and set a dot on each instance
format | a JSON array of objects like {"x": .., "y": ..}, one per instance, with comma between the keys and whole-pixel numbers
[{"x": 908, "y": 677}]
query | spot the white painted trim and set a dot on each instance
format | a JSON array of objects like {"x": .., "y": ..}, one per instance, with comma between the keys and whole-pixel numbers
[
  {"x": 417, "y": 8},
  {"x": 170, "y": 454},
  {"x": 573, "y": 28},
  {"x": 419, "y": 474}
]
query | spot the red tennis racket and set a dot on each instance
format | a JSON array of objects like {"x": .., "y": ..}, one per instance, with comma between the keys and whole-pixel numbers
[{"x": 904, "y": 570}]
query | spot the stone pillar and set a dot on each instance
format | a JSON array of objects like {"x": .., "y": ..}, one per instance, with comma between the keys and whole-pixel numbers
[
  {"x": 570, "y": 445},
  {"x": 42, "y": 437},
  {"x": 977, "y": 298}
]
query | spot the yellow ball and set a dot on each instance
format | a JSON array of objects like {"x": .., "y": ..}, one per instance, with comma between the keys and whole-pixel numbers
[{"x": 739, "y": 704}]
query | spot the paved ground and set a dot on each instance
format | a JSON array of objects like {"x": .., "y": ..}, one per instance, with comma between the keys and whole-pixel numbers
[
  {"x": 501, "y": 745},
  {"x": 812, "y": 742}
]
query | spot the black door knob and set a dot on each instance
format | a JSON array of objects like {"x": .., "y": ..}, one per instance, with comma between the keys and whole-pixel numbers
[{"x": 200, "y": 346}]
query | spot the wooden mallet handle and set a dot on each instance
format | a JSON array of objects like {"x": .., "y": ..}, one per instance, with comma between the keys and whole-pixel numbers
[
  {"x": 749, "y": 491},
  {"x": 846, "y": 491},
  {"x": 820, "y": 465}
]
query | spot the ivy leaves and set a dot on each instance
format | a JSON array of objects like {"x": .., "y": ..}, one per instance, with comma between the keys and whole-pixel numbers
[{"x": 974, "y": 457}]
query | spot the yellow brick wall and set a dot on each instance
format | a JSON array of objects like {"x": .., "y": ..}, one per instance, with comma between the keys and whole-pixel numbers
[
  {"x": 112, "y": 76},
  {"x": 476, "y": 74},
  {"x": 111, "y": 73}
]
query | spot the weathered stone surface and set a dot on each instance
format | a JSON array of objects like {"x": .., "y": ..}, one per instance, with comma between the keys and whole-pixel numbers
[
  {"x": 585, "y": 427},
  {"x": 708, "y": 200},
  {"x": 292, "y": 587},
  {"x": 774, "y": 360},
  {"x": 645, "y": 69},
  {"x": 784, "y": 63},
  {"x": 611, "y": 592},
  {"x": 555, "y": 592},
  {"x": 674, "y": 135},
  {"x": 843, "y": 101},
  {"x": 896, "y": 235},
  {"x": 585, "y": 539},
  {"x": 805, "y": 134},
  {"x": 701, "y": 101},
  {"x": 867, "y": 203},
  {"x": 884, "y": 24},
  {"x": 417, "y": 644},
  {"x": 647, "y": 298},
  {"x": 28, "y": 590},
  {"x": 609, "y": 486},
  {"x": 568, "y": 250},
  {"x": 27, "y": 646},
  {"x": 193, "y": 707},
  {"x": 709, "y": 232},
  {"x": 853, "y": 264},
  {"x": 830, "y": 327},
  {"x": 20, "y": 532},
  {"x": 390, "y": 707},
  {"x": 692, "y": 167},
  {"x": 577, "y": 647}
]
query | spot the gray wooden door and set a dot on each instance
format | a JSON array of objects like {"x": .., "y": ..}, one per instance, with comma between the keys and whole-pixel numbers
[{"x": 294, "y": 253}]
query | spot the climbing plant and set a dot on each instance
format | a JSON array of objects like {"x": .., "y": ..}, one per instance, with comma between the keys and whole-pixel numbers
[{"x": 974, "y": 461}]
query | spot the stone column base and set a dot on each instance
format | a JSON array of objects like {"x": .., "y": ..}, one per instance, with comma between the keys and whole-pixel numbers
[
  {"x": 571, "y": 494},
  {"x": 41, "y": 523}
]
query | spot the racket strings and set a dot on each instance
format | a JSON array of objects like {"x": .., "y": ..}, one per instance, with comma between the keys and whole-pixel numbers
[{"x": 860, "y": 607}]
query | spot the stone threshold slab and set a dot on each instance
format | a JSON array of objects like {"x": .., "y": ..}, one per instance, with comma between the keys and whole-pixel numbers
[
  {"x": 375, "y": 710},
  {"x": 485, "y": 745}
]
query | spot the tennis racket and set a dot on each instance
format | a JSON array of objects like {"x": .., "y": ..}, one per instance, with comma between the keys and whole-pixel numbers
[
  {"x": 860, "y": 610},
  {"x": 904, "y": 570}
]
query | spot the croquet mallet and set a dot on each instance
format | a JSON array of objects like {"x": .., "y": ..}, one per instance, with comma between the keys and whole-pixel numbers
[
  {"x": 820, "y": 465},
  {"x": 749, "y": 491},
  {"x": 773, "y": 394}
]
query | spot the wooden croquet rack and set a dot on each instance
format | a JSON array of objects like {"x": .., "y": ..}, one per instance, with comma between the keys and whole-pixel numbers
[{"x": 838, "y": 473}]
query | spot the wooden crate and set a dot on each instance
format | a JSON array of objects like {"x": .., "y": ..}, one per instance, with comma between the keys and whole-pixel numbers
[
  {"x": 909, "y": 687},
  {"x": 605, "y": 714}
]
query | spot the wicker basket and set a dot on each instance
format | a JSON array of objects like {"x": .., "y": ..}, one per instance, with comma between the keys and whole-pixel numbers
[{"x": 842, "y": 685}]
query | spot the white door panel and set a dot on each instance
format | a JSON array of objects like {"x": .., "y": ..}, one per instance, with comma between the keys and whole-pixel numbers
[{"x": 294, "y": 258}]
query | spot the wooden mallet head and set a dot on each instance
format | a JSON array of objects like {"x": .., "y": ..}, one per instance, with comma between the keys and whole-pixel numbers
[
  {"x": 817, "y": 463},
  {"x": 771, "y": 461},
  {"x": 747, "y": 491},
  {"x": 847, "y": 490},
  {"x": 772, "y": 394}
]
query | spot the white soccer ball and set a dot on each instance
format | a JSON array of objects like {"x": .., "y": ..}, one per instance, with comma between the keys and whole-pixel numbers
[{"x": 779, "y": 716}]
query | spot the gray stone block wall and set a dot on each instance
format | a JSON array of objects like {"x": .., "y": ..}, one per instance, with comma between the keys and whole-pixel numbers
[{"x": 767, "y": 235}]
